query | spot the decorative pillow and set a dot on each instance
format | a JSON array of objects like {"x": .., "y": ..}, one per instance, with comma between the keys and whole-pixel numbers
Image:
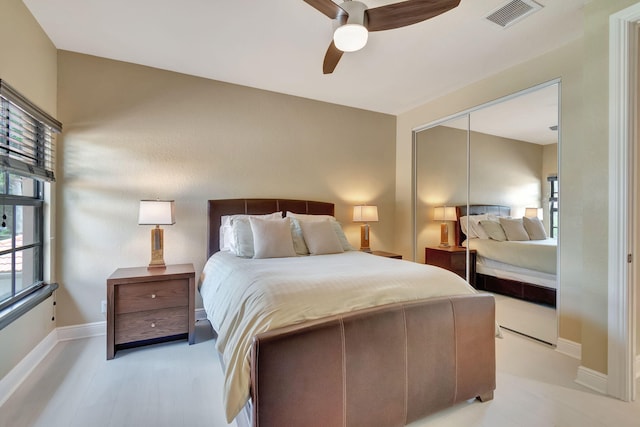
[
  {"x": 534, "y": 228},
  {"x": 272, "y": 238},
  {"x": 298, "y": 239},
  {"x": 321, "y": 237},
  {"x": 242, "y": 241},
  {"x": 337, "y": 227},
  {"x": 232, "y": 236},
  {"x": 514, "y": 229},
  {"x": 494, "y": 230}
]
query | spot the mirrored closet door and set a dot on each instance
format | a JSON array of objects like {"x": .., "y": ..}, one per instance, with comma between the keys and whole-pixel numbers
[{"x": 496, "y": 168}]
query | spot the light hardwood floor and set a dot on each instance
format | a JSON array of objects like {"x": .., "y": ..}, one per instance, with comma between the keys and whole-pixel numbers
[{"x": 174, "y": 385}]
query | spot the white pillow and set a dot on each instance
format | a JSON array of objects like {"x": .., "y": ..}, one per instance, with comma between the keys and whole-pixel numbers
[
  {"x": 320, "y": 237},
  {"x": 272, "y": 238},
  {"x": 226, "y": 237},
  {"x": 534, "y": 228},
  {"x": 337, "y": 227},
  {"x": 494, "y": 230},
  {"x": 514, "y": 229},
  {"x": 307, "y": 217},
  {"x": 475, "y": 230},
  {"x": 231, "y": 237}
]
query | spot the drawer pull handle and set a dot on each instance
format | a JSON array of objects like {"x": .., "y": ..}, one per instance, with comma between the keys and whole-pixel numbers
[
  {"x": 153, "y": 325},
  {"x": 153, "y": 296}
]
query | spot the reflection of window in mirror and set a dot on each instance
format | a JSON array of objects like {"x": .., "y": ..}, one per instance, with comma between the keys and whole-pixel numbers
[{"x": 553, "y": 205}]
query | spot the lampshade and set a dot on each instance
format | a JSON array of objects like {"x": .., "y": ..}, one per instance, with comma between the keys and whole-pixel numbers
[
  {"x": 444, "y": 213},
  {"x": 156, "y": 212},
  {"x": 533, "y": 212},
  {"x": 365, "y": 213},
  {"x": 350, "y": 37}
]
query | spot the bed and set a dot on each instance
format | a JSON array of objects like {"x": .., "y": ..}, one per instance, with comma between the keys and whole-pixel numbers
[
  {"x": 382, "y": 364},
  {"x": 521, "y": 269}
]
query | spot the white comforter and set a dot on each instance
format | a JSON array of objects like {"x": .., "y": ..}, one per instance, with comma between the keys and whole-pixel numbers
[
  {"x": 244, "y": 297},
  {"x": 538, "y": 255}
]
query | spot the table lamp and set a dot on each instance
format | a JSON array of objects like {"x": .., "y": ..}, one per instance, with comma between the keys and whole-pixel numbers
[
  {"x": 365, "y": 214},
  {"x": 157, "y": 212},
  {"x": 444, "y": 214},
  {"x": 533, "y": 212}
]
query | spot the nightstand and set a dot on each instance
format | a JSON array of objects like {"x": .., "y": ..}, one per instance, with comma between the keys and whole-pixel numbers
[
  {"x": 148, "y": 305},
  {"x": 387, "y": 254},
  {"x": 453, "y": 258}
]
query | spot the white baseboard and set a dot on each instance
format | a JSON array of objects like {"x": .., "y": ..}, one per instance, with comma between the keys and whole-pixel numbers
[
  {"x": 75, "y": 332},
  {"x": 10, "y": 382},
  {"x": 592, "y": 379},
  {"x": 569, "y": 348}
]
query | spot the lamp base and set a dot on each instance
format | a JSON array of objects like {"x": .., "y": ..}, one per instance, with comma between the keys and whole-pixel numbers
[
  {"x": 364, "y": 238},
  {"x": 157, "y": 248},
  {"x": 444, "y": 235}
]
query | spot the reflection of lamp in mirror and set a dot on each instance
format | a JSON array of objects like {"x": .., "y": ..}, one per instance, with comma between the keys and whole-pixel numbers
[
  {"x": 365, "y": 214},
  {"x": 444, "y": 214},
  {"x": 533, "y": 212},
  {"x": 157, "y": 212}
]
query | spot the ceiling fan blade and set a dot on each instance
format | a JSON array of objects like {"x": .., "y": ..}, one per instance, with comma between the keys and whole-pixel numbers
[
  {"x": 327, "y": 7},
  {"x": 331, "y": 59},
  {"x": 405, "y": 13}
]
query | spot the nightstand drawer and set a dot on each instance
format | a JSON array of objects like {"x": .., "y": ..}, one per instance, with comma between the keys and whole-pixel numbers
[
  {"x": 152, "y": 296},
  {"x": 146, "y": 325},
  {"x": 459, "y": 261}
]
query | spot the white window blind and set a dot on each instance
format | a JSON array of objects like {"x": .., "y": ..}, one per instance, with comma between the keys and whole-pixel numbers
[{"x": 27, "y": 136}]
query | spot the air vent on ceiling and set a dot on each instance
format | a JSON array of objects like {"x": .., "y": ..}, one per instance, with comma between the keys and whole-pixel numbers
[{"x": 512, "y": 12}]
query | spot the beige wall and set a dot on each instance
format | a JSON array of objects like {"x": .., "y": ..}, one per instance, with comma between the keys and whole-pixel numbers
[
  {"x": 32, "y": 70},
  {"x": 134, "y": 132},
  {"x": 593, "y": 180},
  {"x": 503, "y": 172}
]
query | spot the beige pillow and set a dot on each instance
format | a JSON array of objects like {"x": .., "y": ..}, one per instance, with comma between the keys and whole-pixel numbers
[
  {"x": 494, "y": 230},
  {"x": 238, "y": 237},
  {"x": 296, "y": 219},
  {"x": 272, "y": 238},
  {"x": 514, "y": 229},
  {"x": 320, "y": 237},
  {"x": 534, "y": 228}
]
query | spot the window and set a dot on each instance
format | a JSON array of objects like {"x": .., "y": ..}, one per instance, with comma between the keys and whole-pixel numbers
[
  {"x": 26, "y": 165},
  {"x": 553, "y": 205}
]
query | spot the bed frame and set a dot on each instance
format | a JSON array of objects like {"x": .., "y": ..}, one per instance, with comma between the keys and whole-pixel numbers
[
  {"x": 380, "y": 367},
  {"x": 513, "y": 288}
]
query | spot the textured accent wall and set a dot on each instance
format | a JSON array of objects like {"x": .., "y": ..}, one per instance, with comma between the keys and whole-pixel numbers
[{"x": 134, "y": 132}]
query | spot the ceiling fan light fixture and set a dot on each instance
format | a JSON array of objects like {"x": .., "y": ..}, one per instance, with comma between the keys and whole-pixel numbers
[{"x": 350, "y": 37}]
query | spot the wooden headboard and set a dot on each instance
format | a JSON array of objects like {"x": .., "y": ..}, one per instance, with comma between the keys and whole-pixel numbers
[
  {"x": 461, "y": 211},
  {"x": 219, "y": 208}
]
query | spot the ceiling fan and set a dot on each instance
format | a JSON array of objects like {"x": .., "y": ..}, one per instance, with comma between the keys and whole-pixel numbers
[{"x": 353, "y": 21}]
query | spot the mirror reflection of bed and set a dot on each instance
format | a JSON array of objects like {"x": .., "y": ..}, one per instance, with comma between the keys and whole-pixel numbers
[
  {"x": 503, "y": 154},
  {"x": 516, "y": 260}
]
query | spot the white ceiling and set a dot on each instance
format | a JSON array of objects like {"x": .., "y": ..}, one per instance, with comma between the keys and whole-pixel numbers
[
  {"x": 526, "y": 117},
  {"x": 279, "y": 45}
]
